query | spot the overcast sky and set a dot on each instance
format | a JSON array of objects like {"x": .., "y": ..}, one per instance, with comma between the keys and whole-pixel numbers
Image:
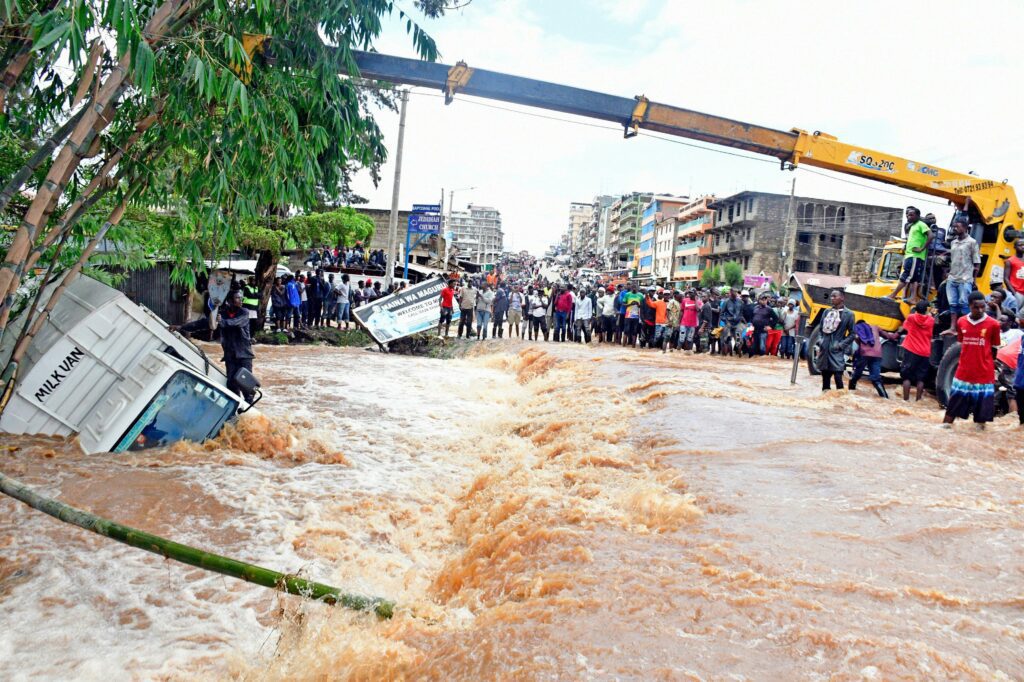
[{"x": 934, "y": 81}]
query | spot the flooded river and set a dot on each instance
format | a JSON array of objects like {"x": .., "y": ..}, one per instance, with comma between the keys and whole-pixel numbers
[{"x": 537, "y": 512}]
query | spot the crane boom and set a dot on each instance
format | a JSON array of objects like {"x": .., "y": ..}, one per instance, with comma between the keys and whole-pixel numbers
[{"x": 993, "y": 200}]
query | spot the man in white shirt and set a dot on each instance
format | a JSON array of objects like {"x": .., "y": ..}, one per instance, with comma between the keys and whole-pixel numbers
[
  {"x": 584, "y": 315},
  {"x": 538, "y": 314}
]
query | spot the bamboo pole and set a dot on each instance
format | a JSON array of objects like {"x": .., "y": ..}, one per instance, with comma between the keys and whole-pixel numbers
[{"x": 192, "y": 556}]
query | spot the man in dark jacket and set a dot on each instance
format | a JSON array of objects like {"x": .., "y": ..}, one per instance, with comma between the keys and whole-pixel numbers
[
  {"x": 233, "y": 321},
  {"x": 763, "y": 318},
  {"x": 500, "y": 308},
  {"x": 732, "y": 316}
]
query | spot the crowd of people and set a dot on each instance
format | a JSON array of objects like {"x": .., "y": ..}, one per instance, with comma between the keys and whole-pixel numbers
[
  {"x": 354, "y": 256},
  {"x": 666, "y": 319},
  {"x": 313, "y": 301}
]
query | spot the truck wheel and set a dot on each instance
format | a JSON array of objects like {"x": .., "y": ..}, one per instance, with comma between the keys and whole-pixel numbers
[
  {"x": 812, "y": 352},
  {"x": 944, "y": 375}
]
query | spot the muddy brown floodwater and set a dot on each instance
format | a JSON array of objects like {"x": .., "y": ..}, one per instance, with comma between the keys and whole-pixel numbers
[{"x": 538, "y": 512}]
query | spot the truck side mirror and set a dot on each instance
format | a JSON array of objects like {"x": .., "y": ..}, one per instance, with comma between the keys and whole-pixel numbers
[{"x": 246, "y": 380}]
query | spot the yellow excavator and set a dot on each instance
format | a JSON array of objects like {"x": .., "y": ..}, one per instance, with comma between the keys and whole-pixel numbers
[{"x": 990, "y": 206}]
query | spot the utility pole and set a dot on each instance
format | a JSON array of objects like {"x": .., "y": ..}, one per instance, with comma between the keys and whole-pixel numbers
[
  {"x": 393, "y": 222},
  {"x": 789, "y": 235}
]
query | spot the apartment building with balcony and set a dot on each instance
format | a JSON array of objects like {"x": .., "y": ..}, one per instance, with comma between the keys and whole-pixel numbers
[
  {"x": 624, "y": 223},
  {"x": 692, "y": 241},
  {"x": 757, "y": 230},
  {"x": 659, "y": 209}
]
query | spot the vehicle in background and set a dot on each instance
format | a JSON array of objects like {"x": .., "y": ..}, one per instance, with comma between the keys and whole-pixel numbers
[{"x": 111, "y": 373}]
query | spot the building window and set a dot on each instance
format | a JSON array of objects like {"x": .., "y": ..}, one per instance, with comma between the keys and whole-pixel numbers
[
  {"x": 803, "y": 266},
  {"x": 821, "y": 237},
  {"x": 750, "y": 205},
  {"x": 803, "y": 238}
]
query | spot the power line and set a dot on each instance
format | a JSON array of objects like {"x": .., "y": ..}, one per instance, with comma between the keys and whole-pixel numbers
[{"x": 692, "y": 145}]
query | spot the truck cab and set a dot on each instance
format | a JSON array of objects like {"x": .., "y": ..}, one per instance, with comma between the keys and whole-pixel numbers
[{"x": 111, "y": 373}]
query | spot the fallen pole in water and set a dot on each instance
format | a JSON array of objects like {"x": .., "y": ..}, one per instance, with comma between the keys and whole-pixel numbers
[{"x": 192, "y": 556}]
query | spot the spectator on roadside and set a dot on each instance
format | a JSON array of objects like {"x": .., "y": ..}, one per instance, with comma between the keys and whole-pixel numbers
[
  {"x": 584, "y": 317},
  {"x": 689, "y": 320},
  {"x": 973, "y": 389},
  {"x": 344, "y": 301},
  {"x": 279, "y": 304},
  {"x": 868, "y": 356},
  {"x": 790, "y": 327},
  {"x": 835, "y": 341},
  {"x": 499, "y": 309},
  {"x": 917, "y": 348},
  {"x": 446, "y": 302},
  {"x": 762, "y": 318},
  {"x": 516, "y": 302},
  {"x": 467, "y": 306}
]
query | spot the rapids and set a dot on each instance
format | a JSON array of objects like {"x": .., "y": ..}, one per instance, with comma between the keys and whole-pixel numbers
[{"x": 537, "y": 511}]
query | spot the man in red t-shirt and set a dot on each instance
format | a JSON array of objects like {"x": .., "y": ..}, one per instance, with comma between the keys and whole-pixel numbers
[
  {"x": 447, "y": 303},
  {"x": 1013, "y": 277},
  {"x": 973, "y": 390},
  {"x": 917, "y": 348}
]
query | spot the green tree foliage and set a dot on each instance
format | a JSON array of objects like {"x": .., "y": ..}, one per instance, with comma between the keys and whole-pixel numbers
[
  {"x": 340, "y": 227},
  {"x": 157, "y": 104},
  {"x": 710, "y": 277},
  {"x": 732, "y": 273}
]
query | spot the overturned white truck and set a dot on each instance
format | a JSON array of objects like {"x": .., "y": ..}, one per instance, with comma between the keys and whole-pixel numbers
[{"x": 110, "y": 372}]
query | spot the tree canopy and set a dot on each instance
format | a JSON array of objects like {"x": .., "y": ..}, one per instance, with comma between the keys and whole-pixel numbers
[{"x": 109, "y": 106}]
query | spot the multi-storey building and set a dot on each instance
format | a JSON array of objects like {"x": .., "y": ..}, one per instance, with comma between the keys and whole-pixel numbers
[
  {"x": 624, "y": 227},
  {"x": 660, "y": 209},
  {"x": 477, "y": 234},
  {"x": 757, "y": 230},
  {"x": 601, "y": 241},
  {"x": 579, "y": 217},
  {"x": 590, "y": 242},
  {"x": 691, "y": 242}
]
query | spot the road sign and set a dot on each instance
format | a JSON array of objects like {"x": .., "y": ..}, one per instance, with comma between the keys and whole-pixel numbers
[
  {"x": 424, "y": 223},
  {"x": 426, "y": 208}
]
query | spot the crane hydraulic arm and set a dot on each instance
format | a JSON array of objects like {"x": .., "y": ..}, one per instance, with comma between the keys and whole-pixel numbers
[
  {"x": 989, "y": 202},
  {"x": 992, "y": 199}
]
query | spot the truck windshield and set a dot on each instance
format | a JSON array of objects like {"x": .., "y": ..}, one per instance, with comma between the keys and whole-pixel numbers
[
  {"x": 186, "y": 408},
  {"x": 891, "y": 264}
]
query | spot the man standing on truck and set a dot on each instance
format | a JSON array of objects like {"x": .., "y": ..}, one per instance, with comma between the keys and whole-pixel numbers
[
  {"x": 918, "y": 235},
  {"x": 1013, "y": 278},
  {"x": 233, "y": 321},
  {"x": 964, "y": 261},
  {"x": 973, "y": 390}
]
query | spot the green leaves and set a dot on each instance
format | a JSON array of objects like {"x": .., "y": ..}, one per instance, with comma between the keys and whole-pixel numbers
[
  {"x": 236, "y": 139},
  {"x": 58, "y": 32},
  {"x": 143, "y": 67}
]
